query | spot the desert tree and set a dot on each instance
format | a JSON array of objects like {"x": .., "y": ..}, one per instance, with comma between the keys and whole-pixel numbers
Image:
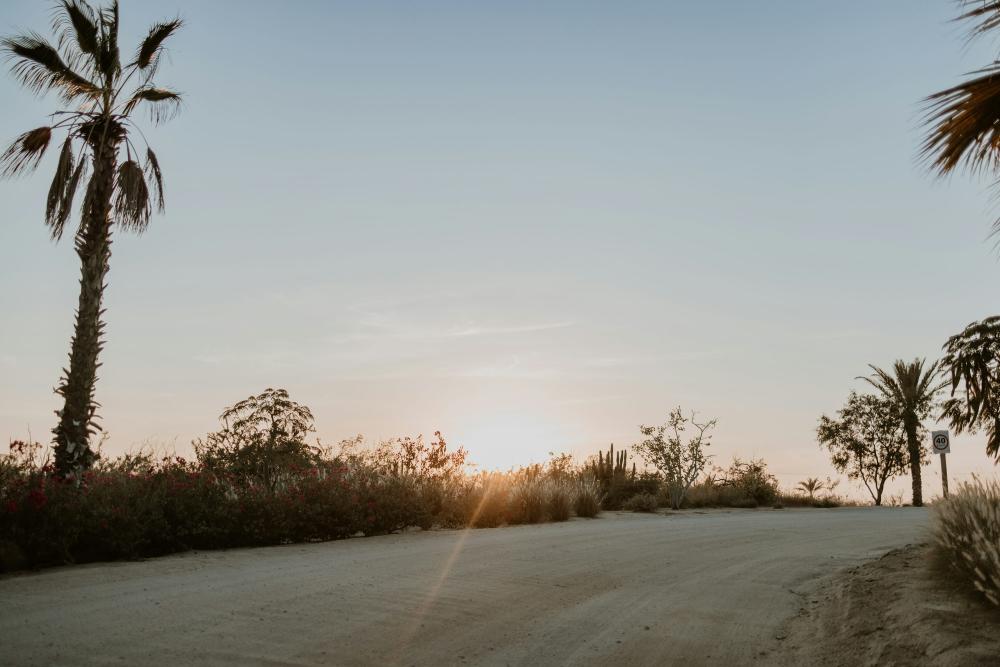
[
  {"x": 971, "y": 363},
  {"x": 680, "y": 462},
  {"x": 866, "y": 441},
  {"x": 99, "y": 94},
  {"x": 262, "y": 440},
  {"x": 911, "y": 389}
]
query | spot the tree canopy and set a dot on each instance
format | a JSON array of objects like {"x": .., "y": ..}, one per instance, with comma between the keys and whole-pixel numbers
[{"x": 867, "y": 441}]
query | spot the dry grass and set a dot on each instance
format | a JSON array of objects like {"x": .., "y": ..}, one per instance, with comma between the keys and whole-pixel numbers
[
  {"x": 559, "y": 496},
  {"x": 967, "y": 533},
  {"x": 642, "y": 502},
  {"x": 587, "y": 502}
]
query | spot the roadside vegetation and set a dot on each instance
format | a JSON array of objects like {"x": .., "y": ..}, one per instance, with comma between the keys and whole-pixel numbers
[
  {"x": 967, "y": 535},
  {"x": 259, "y": 481}
]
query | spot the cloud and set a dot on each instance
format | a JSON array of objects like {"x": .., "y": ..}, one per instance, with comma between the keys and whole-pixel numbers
[{"x": 498, "y": 331}]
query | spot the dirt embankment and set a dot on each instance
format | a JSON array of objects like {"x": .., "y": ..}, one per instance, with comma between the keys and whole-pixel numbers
[{"x": 898, "y": 610}]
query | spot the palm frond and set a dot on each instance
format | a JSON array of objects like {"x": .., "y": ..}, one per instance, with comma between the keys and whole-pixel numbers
[
  {"x": 163, "y": 104},
  {"x": 964, "y": 124},
  {"x": 26, "y": 152},
  {"x": 984, "y": 15},
  {"x": 151, "y": 47},
  {"x": 132, "y": 205},
  {"x": 75, "y": 22},
  {"x": 883, "y": 382},
  {"x": 64, "y": 172},
  {"x": 109, "y": 60},
  {"x": 58, "y": 223},
  {"x": 40, "y": 68},
  {"x": 153, "y": 171}
]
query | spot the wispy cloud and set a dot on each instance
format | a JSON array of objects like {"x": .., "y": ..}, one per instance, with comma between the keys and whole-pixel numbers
[{"x": 504, "y": 330}]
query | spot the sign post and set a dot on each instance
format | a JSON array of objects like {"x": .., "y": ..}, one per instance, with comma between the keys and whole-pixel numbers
[{"x": 941, "y": 444}]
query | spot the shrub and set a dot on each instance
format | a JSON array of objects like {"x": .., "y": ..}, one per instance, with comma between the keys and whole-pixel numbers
[
  {"x": 527, "y": 500},
  {"x": 587, "y": 502},
  {"x": 680, "y": 463},
  {"x": 712, "y": 492},
  {"x": 262, "y": 440},
  {"x": 642, "y": 502},
  {"x": 967, "y": 533},
  {"x": 485, "y": 501},
  {"x": 558, "y": 500},
  {"x": 752, "y": 481}
]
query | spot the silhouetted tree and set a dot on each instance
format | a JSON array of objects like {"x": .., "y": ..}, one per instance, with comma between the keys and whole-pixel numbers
[
  {"x": 911, "y": 389},
  {"x": 680, "y": 462},
  {"x": 972, "y": 362},
  {"x": 262, "y": 438},
  {"x": 84, "y": 67},
  {"x": 867, "y": 441},
  {"x": 810, "y": 486}
]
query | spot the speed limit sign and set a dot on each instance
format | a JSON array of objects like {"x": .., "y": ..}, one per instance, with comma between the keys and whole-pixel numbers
[{"x": 940, "y": 442}]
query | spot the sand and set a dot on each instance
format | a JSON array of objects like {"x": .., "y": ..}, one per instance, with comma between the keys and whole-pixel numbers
[
  {"x": 898, "y": 610},
  {"x": 713, "y": 587}
]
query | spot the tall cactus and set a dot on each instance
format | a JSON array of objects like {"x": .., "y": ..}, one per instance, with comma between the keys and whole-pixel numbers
[{"x": 614, "y": 465}]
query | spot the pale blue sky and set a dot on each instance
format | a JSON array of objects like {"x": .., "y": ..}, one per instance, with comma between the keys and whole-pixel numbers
[{"x": 530, "y": 225}]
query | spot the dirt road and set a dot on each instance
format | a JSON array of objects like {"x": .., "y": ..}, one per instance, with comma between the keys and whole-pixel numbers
[{"x": 702, "y": 588}]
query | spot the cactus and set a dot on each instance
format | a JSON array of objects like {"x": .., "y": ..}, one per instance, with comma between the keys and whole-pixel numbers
[
  {"x": 614, "y": 465},
  {"x": 611, "y": 472}
]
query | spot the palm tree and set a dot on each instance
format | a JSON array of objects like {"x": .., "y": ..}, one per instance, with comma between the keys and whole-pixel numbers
[
  {"x": 911, "y": 389},
  {"x": 810, "y": 485},
  {"x": 964, "y": 120},
  {"x": 100, "y": 96}
]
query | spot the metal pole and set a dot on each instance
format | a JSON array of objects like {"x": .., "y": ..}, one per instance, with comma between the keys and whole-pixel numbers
[{"x": 944, "y": 474}]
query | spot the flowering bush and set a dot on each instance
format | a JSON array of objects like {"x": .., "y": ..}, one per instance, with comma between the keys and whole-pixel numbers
[{"x": 139, "y": 505}]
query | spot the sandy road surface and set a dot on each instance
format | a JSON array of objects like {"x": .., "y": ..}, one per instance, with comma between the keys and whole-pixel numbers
[{"x": 705, "y": 588}]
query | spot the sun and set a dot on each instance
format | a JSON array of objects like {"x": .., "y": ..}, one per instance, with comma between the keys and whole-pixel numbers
[{"x": 507, "y": 440}]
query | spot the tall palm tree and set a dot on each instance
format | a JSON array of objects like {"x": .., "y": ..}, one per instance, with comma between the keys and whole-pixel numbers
[
  {"x": 911, "y": 389},
  {"x": 964, "y": 120},
  {"x": 99, "y": 95}
]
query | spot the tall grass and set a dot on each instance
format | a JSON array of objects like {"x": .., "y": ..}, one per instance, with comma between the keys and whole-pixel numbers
[
  {"x": 967, "y": 533},
  {"x": 588, "y": 498}
]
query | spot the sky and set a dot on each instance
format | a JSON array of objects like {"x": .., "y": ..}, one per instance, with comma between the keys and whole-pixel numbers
[{"x": 532, "y": 226}]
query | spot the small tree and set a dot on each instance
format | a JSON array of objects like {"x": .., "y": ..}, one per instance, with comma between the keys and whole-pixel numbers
[
  {"x": 810, "y": 486},
  {"x": 262, "y": 438},
  {"x": 868, "y": 441},
  {"x": 680, "y": 463},
  {"x": 972, "y": 363}
]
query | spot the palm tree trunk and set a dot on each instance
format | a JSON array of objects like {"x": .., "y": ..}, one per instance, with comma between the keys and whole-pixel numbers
[
  {"x": 77, "y": 419},
  {"x": 914, "y": 446}
]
